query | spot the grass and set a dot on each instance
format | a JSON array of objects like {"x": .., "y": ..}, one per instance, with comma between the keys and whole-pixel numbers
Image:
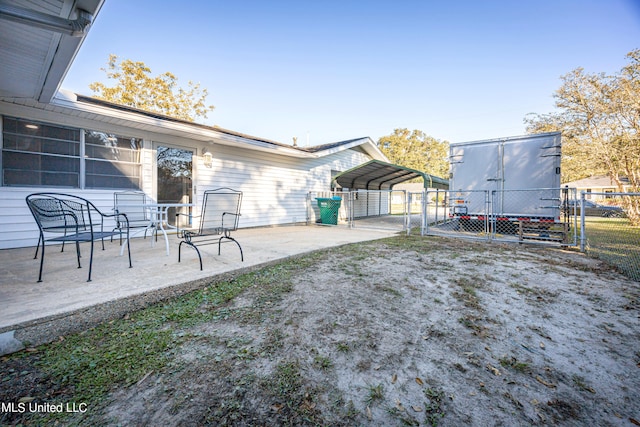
[
  {"x": 375, "y": 393},
  {"x": 513, "y": 363},
  {"x": 434, "y": 410},
  {"x": 467, "y": 292},
  {"x": 616, "y": 242}
]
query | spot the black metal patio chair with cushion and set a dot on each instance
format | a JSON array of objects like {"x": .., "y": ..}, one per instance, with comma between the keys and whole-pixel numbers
[
  {"x": 131, "y": 203},
  {"x": 219, "y": 217},
  {"x": 66, "y": 218}
]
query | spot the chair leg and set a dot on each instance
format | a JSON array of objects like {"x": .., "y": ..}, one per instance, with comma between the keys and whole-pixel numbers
[
  {"x": 41, "y": 262},
  {"x": 78, "y": 253},
  {"x": 37, "y": 247},
  {"x": 228, "y": 237},
  {"x": 90, "y": 262},
  {"x": 129, "y": 249},
  {"x": 194, "y": 247}
]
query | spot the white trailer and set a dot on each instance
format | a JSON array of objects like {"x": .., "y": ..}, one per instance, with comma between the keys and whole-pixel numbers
[{"x": 506, "y": 181}]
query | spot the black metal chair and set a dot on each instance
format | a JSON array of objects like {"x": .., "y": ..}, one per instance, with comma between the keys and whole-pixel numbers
[
  {"x": 70, "y": 218},
  {"x": 220, "y": 215}
]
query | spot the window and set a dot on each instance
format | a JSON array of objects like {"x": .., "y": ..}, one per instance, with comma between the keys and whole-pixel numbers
[
  {"x": 41, "y": 154},
  {"x": 111, "y": 161}
]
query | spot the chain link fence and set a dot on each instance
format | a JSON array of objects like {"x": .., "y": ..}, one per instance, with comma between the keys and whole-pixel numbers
[
  {"x": 383, "y": 209},
  {"x": 610, "y": 224},
  {"x": 534, "y": 216},
  {"x": 605, "y": 225}
]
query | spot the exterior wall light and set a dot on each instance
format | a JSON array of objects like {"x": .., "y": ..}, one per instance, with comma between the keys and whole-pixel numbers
[{"x": 207, "y": 157}]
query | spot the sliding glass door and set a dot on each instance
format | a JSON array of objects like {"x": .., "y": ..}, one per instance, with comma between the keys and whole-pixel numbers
[{"x": 175, "y": 178}]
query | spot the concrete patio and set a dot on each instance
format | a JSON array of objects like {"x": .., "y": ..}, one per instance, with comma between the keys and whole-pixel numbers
[{"x": 33, "y": 313}]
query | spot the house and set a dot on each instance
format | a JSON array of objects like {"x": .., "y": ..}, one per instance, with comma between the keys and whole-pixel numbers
[
  {"x": 54, "y": 140},
  {"x": 597, "y": 184},
  {"x": 79, "y": 145}
]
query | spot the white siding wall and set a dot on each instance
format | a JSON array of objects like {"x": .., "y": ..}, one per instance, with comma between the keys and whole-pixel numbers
[
  {"x": 17, "y": 226},
  {"x": 275, "y": 188}
]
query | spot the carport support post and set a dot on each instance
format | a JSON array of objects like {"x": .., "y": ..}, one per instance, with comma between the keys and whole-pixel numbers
[
  {"x": 352, "y": 197},
  {"x": 583, "y": 237}
]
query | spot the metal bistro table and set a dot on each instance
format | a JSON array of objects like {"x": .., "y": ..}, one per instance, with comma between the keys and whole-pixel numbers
[{"x": 158, "y": 216}]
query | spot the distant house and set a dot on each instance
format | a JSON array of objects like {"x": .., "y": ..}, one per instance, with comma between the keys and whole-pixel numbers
[{"x": 596, "y": 184}]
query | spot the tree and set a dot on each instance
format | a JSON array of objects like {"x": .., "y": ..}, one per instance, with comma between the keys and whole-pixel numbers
[
  {"x": 415, "y": 150},
  {"x": 135, "y": 87},
  {"x": 577, "y": 163},
  {"x": 599, "y": 115}
]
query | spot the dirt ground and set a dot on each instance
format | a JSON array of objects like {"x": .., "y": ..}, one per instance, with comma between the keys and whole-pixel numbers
[{"x": 445, "y": 332}]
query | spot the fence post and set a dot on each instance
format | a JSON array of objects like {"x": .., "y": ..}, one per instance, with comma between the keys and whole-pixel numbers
[
  {"x": 487, "y": 212},
  {"x": 423, "y": 213},
  {"x": 583, "y": 236},
  {"x": 437, "y": 201},
  {"x": 407, "y": 207}
]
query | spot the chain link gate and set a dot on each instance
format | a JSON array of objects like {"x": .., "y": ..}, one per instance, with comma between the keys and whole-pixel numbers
[{"x": 533, "y": 215}]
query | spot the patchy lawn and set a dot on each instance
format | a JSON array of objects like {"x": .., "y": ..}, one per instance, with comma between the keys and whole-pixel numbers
[
  {"x": 616, "y": 242},
  {"x": 401, "y": 331}
]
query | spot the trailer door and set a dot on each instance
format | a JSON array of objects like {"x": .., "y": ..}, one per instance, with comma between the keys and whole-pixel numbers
[
  {"x": 533, "y": 164},
  {"x": 476, "y": 167}
]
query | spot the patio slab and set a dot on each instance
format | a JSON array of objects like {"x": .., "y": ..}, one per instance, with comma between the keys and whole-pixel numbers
[{"x": 64, "y": 301}]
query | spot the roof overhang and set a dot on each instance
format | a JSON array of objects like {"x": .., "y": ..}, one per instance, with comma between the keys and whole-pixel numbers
[
  {"x": 38, "y": 43},
  {"x": 101, "y": 115},
  {"x": 378, "y": 175},
  {"x": 366, "y": 144}
]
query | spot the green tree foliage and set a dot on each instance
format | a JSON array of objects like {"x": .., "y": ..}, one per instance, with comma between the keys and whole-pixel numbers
[
  {"x": 599, "y": 115},
  {"x": 577, "y": 163},
  {"x": 136, "y": 87},
  {"x": 415, "y": 150}
]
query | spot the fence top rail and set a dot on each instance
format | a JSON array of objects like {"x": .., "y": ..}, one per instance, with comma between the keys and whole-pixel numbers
[{"x": 584, "y": 193}]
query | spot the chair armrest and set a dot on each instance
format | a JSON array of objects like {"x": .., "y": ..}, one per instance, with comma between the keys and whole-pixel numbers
[
  {"x": 235, "y": 219},
  {"x": 180, "y": 230}
]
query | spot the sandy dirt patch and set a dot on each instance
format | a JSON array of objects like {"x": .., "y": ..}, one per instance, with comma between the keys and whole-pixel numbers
[{"x": 432, "y": 332}]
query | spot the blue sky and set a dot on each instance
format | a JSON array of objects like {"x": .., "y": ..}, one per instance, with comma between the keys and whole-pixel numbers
[{"x": 334, "y": 70}]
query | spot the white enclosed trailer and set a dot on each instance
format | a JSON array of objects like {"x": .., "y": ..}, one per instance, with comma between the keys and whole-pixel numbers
[{"x": 506, "y": 180}]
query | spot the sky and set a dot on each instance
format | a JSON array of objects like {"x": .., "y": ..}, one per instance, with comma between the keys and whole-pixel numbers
[{"x": 333, "y": 70}]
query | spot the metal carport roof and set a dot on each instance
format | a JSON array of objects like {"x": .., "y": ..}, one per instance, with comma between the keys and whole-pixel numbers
[{"x": 378, "y": 175}]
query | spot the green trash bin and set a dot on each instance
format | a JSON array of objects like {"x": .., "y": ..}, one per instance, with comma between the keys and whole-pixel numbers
[{"x": 329, "y": 209}]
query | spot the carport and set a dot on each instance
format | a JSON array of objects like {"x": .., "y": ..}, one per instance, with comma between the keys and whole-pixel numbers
[
  {"x": 372, "y": 201},
  {"x": 379, "y": 175}
]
